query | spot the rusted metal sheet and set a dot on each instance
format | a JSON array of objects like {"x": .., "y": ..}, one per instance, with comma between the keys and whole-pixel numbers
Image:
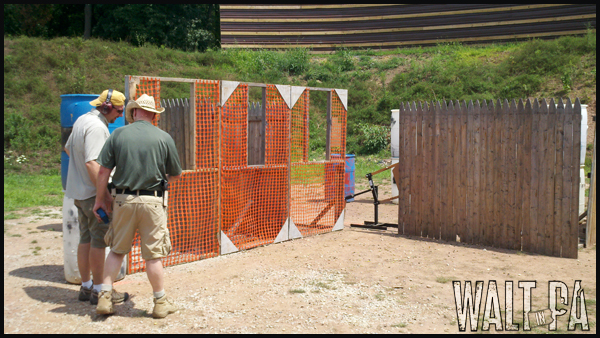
[{"x": 326, "y": 27}]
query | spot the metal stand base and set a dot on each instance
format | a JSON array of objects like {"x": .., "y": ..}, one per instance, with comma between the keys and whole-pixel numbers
[{"x": 374, "y": 226}]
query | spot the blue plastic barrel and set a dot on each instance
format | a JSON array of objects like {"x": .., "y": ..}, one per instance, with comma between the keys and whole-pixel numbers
[
  {"x": 72, "y": 106},
  {"x": 349, "y": 176}
]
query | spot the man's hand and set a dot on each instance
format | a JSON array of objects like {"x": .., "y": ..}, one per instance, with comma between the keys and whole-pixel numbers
[
  {"x": 100, "y": 204},
  {"x": 103, "y": 198}
]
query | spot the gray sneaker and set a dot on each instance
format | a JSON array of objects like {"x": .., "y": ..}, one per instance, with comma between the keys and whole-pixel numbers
[
  {"x": 117, "y": 297},
  {"x": 162, "y": 307},
  {"x": 85, "y": 294}
]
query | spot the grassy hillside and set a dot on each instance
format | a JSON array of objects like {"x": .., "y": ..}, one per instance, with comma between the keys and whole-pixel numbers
[{"x": 37, "y": 72}]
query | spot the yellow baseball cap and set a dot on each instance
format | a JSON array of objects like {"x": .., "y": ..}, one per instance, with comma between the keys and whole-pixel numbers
[{"x": 117, "y": 98}]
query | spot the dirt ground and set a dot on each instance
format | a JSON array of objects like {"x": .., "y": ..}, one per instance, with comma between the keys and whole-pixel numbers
[{"x": 350, "y": 281}]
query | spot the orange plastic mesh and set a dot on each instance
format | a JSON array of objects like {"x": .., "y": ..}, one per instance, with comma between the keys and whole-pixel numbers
[
  {"x": 317, "y": 188},
  {"x": 299, "y": 147},
  {"x": 254, "y": 199},
  {"x": 150, "y": 86},
  {"x": 193, "y": 214}
]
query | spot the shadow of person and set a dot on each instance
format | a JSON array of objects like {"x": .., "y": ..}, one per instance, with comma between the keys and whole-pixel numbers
[
  {"x": 67, "y": 302},
  {"x": 49, "y": 273},
  {"x": 51, "y": 227}
]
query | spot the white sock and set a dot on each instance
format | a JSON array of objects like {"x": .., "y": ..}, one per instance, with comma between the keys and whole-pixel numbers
[
  {"x": 159, "y": 294},
  {"x": 87, "y": 284},
  {"x": 98, "y": 287},
  {"x": 106, "y": 287}
]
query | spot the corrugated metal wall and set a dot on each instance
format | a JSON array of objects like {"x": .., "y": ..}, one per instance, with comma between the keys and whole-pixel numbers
[{"x": 326, "y": 27}]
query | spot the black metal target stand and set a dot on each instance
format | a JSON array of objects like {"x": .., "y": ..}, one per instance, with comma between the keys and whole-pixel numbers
[{"x": 374, "y": 190}]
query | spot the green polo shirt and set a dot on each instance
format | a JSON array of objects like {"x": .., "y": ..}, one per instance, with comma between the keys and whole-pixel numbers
[{"x": 142, "y": 154}]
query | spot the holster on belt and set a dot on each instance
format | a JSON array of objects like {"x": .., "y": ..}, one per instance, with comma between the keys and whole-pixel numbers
[{"x": 165, "y": 186}]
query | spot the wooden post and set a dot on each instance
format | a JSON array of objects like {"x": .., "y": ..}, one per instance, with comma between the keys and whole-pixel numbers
[
  {"x": 263, "y": 134},
  {"x": 462, "y": 164},
  {"x": 426, "y": 117},
  {"x": 574, "y": 229},
  {"x": 590, "y": 230},
  {"x": 193, "y": 125},
  {"x": 328, "y": 139},
  {"x": 526, "y": 158}
]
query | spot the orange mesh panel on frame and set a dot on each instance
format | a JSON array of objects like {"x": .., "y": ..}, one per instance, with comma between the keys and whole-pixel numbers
[
  {"x": 151, "y": 87},
  {"x": 254, "y": 199},
  {"x": 317, "y": 187},
  {"x": 193, "y": 220}
]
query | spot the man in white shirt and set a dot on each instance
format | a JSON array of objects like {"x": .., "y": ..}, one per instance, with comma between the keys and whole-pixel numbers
[{"x": 87, "y": 138}]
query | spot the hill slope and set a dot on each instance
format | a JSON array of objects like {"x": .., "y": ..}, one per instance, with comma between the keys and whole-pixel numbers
[{"x": 37, "y": 72}]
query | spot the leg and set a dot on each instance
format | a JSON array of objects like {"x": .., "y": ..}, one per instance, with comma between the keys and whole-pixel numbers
[
  {"x": 154, "y": 270},
  {"x": 111, "y": 268},
  {"x": 96, "y": 264},
  {"x": 83, "y": 261}
]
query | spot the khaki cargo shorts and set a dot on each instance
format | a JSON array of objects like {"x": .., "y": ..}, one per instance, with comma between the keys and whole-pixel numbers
[
  {"x": 90, "y": 230},
  {"x": 145, "y": 214}
]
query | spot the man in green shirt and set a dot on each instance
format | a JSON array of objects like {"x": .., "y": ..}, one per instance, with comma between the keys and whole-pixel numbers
[{"x": 145, "y": 158}]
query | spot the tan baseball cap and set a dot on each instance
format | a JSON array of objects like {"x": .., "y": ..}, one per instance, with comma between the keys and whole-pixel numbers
[{"x": 117, "y": 98}]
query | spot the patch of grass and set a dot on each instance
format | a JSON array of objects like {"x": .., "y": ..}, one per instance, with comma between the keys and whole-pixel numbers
[
  {"x": 10, "y": 216},
  {"x": 24, "y": 190},
  {"x": 380, "y": 296},
  {"x": 399, "y": 325},
  {"x": 33, "y": 242},
  {"x": 297, "y": 291},
  {"x": 443, "y": 280}
]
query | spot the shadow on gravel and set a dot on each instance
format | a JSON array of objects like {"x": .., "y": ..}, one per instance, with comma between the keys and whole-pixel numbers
[
  {"x": 49, "y": 273},
  {"x": 67, "y": 302},
  {"x": 51, "y": 227}
]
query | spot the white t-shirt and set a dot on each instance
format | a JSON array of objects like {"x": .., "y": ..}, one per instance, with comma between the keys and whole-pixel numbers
[{"x": 90, "y": 131}]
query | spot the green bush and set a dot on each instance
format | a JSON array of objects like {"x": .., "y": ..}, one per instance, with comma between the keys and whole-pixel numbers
[
  {"x": 374, "y": 138},
  {"x": 17, "y": 132}
]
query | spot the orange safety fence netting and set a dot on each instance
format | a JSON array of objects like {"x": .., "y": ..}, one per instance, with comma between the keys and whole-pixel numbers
[
  {"x": 316, "y": 187},
  {"x": 254, "y": 198},
  {"x": 151, "y": 87},
  {"x": 193, "y": 213},
  {"x": 249, "y": 204}
]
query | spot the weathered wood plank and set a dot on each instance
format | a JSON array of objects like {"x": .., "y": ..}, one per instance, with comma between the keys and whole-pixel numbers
[
  {"x": 419, "y": 178},
  {"x": 455, "y": 167},
  {"x": 444, "y": 137},
  {"x": 403, "y": 163},
  {"x": 461, "y": 172},
  {"x": 425, "y": 178},
  {"x": 436, "y": 233},
  {"x": 527, "y": 159},
  {"x": 187, "y": 132},
  {"x": 513, "y": 240},
  {"x": 550, "y": 187},
  {"x": 431, "y": 183},
  {"x": 559, "y": 112},
  {"x": 497, "y": 238},
  {"x": 470, "y": 155},
  {"x": 574, "y": 226},
  {"x": 536, "y": 153},
  {"x": 412, "y": 134},
  {"x": 543, "y": 208},
  {"x": 476, "y": 172},
  {"x": 520, "y": 190}
]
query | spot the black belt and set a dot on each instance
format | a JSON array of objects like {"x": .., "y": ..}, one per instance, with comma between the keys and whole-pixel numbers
[{"x": 140, "y": 192}]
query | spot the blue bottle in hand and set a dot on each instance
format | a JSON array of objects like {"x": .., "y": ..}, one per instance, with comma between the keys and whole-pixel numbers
[{"x": 103, "y": 215}]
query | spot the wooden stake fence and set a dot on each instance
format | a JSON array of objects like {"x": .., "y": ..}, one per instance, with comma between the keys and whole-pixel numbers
[{"x": 498, "y": 174}]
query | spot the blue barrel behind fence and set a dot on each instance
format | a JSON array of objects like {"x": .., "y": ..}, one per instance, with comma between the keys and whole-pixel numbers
[
  {"x": 72, "y": 107},
  {"x": 349, "y": 176}
]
